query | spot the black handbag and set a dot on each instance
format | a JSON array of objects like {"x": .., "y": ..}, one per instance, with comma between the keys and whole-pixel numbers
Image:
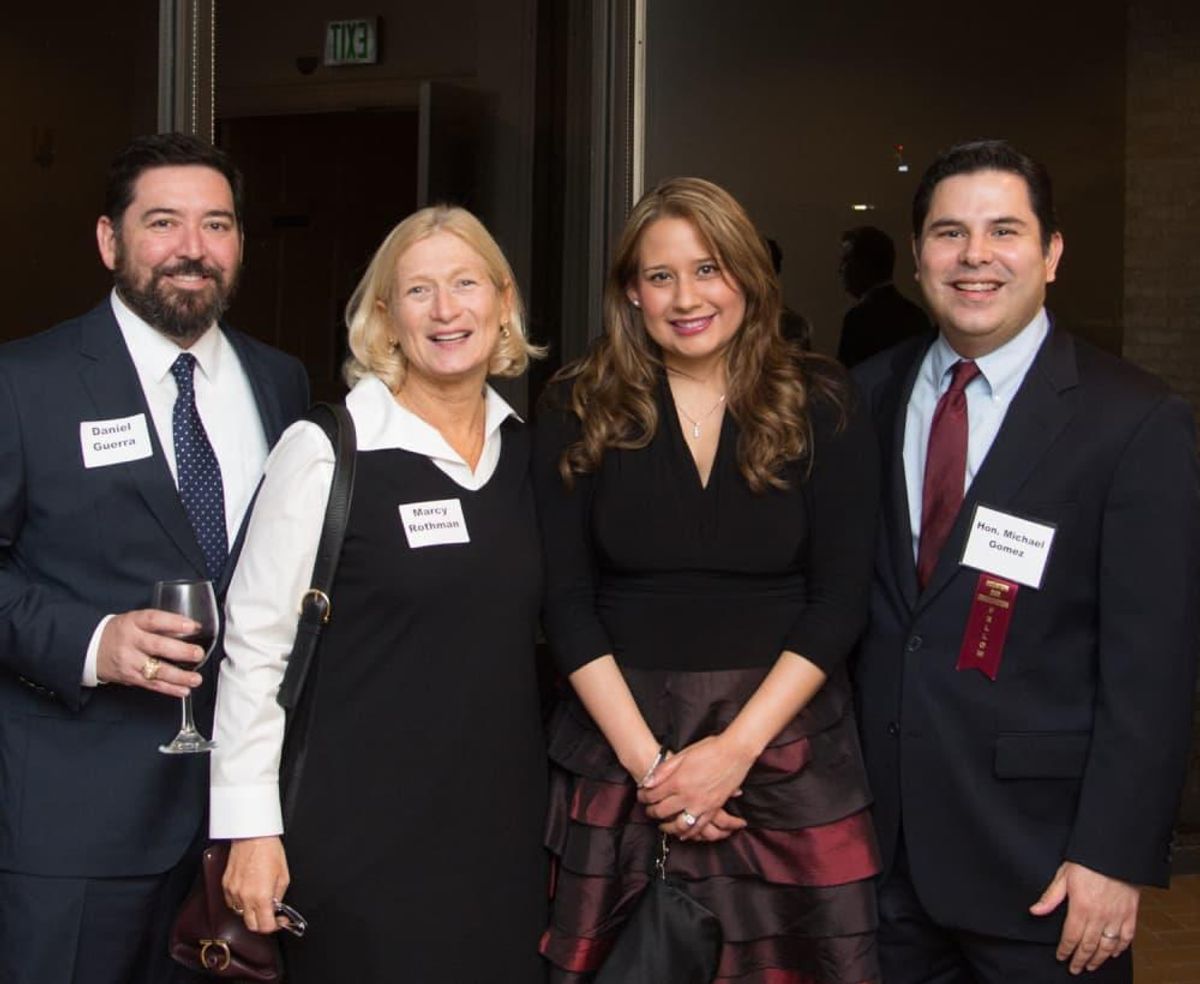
[
  {"x": 207, "y": 936},
  {"x": 669, "y": 939}
]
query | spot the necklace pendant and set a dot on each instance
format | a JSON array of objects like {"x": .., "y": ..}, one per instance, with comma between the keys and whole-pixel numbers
[{"x": 696, "y": 430}]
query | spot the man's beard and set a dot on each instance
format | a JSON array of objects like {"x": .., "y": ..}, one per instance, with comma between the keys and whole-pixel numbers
[{"x": 181, "y": 315}]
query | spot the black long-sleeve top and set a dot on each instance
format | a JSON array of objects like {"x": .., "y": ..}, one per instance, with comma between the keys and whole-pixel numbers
[{"x": 645, "y": 563}]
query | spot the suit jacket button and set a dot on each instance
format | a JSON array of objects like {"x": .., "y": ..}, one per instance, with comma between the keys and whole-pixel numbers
[
  {"x": 914, "y": 643},
  {"x": 893, "y": 728}
]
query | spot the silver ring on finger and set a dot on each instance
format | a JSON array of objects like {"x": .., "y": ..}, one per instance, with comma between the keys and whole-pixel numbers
[
  {"x": 1109, "y": 935},
  {"x": 239, "y": 910},
  {"x": 150, "y": 668},
  {"x": 688, "y": 819}
]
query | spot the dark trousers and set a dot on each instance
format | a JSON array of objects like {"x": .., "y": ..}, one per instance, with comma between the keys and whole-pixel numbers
[
  {"x": 913, "y": 949},
  {"x": 91, "y": 930}
]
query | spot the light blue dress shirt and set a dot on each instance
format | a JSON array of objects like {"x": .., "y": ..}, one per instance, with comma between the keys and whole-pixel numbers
[{"x": 988, "y": 397}]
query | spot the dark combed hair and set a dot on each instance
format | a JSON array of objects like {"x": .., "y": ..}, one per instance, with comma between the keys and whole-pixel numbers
[
  {"x": 769, "y": 381},
  {"x": 989, "y": 155},
  {"x": 165, "y": 150}
]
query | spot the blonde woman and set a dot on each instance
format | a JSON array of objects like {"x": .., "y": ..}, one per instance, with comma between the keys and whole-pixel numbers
[
  {"x": 707, "y": 499},
  {"x": 414, "y": 851}
]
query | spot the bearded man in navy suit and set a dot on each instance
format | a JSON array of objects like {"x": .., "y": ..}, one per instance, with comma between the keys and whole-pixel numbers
[
  {"x": 1025, "y": 684},
  {"x": 98, "y": 830}
]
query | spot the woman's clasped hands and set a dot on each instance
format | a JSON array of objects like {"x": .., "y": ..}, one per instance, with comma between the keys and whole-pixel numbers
[{"x": 690, "y": 790}]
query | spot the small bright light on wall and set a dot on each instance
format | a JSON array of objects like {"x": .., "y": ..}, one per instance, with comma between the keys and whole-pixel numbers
[
  {"x": 901, "y": 164},
  {"x": 863, "y": 207}
]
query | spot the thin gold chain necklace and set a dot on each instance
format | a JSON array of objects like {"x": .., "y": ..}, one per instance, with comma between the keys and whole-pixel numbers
[{"x": 695, "y": 422}]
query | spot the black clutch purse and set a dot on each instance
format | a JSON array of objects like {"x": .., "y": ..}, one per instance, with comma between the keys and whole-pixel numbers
[{"x": 669, "y": 939}]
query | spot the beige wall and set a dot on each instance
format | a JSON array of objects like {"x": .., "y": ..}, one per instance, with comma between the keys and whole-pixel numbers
[{"x": 795, "y": 107}]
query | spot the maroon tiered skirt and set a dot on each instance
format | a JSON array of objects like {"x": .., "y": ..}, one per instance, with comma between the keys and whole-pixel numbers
[{"x": 793, "y": 890}]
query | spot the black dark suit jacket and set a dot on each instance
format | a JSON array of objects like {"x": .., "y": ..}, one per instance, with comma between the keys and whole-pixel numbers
[
  {"x": 84, "y": 790},
  {"x": 881, "y": 319},
  {"x": 1077, "y": 750}
]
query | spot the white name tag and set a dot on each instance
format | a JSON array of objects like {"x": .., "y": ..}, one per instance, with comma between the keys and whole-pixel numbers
[
  {"x": 430, "y": 524},
  {"x": 1008, "y": 546},
  {"x": 111, "y": 442}
]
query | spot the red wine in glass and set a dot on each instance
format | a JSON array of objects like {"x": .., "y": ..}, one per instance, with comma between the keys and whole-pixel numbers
[{"x": 195, "y": 600}]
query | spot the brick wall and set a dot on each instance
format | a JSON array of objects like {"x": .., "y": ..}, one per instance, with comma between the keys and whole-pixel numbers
[
  {"x": 1162, "y": 242},
  {"x": 1162, "y": 192}
]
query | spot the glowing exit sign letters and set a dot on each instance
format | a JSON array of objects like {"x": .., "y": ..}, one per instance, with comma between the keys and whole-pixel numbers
[{"x": 352, "y": 42}]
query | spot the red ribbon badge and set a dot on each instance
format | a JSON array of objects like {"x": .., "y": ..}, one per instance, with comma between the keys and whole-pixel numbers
[{"x": 987, "y": 625}]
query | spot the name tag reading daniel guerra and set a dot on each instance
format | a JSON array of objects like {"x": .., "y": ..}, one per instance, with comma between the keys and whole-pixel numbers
[
  {"x": 112, "y": 442},
  {"x": 1008, "y": 546},
  {"x": 430, "y": 524}
]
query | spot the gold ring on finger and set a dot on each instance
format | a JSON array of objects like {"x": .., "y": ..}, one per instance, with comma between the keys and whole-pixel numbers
[
  {"x": 1108, "y": 934},
  {"x": 150, "y": 668}
]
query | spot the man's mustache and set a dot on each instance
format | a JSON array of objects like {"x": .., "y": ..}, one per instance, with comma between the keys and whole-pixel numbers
[{"x": 193, "y": 268}]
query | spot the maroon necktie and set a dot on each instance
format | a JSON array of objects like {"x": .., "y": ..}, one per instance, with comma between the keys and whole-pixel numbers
[{"x": 945, "y": 470}]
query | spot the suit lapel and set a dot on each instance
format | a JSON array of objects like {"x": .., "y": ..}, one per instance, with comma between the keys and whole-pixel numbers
[
  {"x": 270, "y": 415},
  {"x": 266, "y": 398},
  {"x": 897, "y": 524},
  {"x": 1040, "y": 410},
  {"x": 110, "y": 379}
]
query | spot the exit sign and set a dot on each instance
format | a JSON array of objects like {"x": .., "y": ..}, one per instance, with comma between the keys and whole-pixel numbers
[{"x": 352, "y": 42}]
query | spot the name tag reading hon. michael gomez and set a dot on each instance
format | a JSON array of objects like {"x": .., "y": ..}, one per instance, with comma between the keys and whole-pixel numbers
[
  {"x": 113, "y": 442},
  {"x": 1008, "y": 546},
  {"x": 431, "y": 524}
]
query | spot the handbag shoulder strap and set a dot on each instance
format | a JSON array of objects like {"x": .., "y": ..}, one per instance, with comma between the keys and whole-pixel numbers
[{"x": 316, "y": 607}]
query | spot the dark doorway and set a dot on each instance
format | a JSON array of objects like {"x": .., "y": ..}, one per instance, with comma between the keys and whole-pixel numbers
[{"x": 322, "y": 190}]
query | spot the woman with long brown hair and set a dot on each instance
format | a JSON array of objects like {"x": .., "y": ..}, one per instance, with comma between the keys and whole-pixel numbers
[{"x": 707, "y": 498}]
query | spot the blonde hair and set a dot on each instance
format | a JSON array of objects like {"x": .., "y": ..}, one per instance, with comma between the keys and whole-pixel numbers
[
  {"x": 369, "y": 309},
  {"x": 768, "y": 380}
]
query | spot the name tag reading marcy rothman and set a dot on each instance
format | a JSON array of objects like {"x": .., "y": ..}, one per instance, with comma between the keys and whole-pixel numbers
[
  {"x": 111, "y": 442},
  {"x": 1008, "y": 546},
  {"x": 430, "y": 524}
]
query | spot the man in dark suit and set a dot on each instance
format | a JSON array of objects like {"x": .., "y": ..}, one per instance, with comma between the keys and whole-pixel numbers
[
  {"x": 1025, "y": 684},
  {"x": 132, "y": 442},
  {"x": 883, "y": 316}
]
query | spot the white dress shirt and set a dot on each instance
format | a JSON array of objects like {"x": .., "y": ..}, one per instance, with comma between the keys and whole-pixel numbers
[
  {"x": 226, "y": 406},
  {"x": 272, "y": 574},
  {"x": 988, "y": 397}
]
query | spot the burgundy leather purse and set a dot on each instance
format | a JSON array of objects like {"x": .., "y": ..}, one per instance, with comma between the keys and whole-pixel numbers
[{"x": 210, "y": 937}]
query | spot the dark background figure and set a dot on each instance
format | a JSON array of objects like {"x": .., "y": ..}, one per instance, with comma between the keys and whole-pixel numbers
[
  {"x": 113, "y": 425},
  {"x": 883, "y": 316},
  {"x": 795, "y": 327}
]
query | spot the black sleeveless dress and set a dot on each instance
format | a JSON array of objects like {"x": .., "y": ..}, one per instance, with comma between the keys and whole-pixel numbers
[
  {"x": 415, "y": 851},
  {"x": 696, "y": 590}
]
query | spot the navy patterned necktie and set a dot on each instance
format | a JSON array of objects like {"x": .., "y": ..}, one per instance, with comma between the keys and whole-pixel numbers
[{"x": 197, "y": 471}]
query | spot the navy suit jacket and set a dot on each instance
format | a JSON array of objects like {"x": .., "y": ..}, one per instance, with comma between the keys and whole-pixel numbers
[
  {"x": 1077, "y": 750},
  {"x": 84, "y": 790}
]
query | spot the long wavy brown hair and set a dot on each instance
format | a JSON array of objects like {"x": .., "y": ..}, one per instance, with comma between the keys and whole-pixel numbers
[{"x": 769, "y": 381}]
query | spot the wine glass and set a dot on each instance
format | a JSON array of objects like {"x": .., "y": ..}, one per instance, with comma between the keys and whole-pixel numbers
[{"x": 197, "y": 601}]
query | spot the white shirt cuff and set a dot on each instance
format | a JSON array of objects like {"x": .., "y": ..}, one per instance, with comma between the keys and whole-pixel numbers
[
  {"x": 90, "y": 679},
  {"x": 244, "y": 811}
]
